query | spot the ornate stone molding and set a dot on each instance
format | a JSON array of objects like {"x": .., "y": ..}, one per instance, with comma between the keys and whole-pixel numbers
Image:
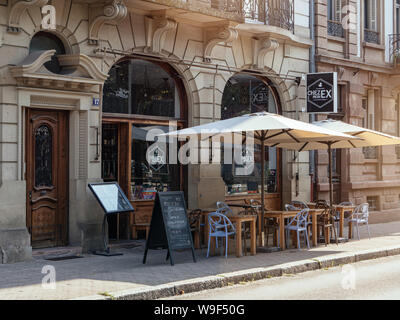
[
  {"x": 17, "y": 8},
  {"x": 214, "y": 36},
  {"x": 82, "y": 73},
  {"x": 113, "y": 13},
  {"x": 260, "y": 48},
  {"x": 157, "y": 29}
]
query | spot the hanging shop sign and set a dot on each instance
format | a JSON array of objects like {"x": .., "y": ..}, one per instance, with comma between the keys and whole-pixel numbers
[{"x": 322, "y": 92}]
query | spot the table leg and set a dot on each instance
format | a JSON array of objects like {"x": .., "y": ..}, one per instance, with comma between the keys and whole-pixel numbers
[
  {"x": 259, "y": 230},
  {"x": 341, "y": 222},
  {"x": 253, "y": 237},
  {"x": 350, "y": 230},
  {"x": 238, "y": 227},
  {"x": 314, "y": 229},
  {"x": 282, "y": 232}
]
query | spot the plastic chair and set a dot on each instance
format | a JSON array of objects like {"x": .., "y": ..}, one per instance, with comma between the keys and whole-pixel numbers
[
  {"x": 290, "y": 207},
  {"x": 223, "y": 208},
  {"x": 359, "y": 217},
  {"x": 298, "y": 224},
  {"x": 220, "y": 227}
]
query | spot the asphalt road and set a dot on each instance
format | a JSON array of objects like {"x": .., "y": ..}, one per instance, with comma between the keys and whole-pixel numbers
[{"x": 372, "y": 279}]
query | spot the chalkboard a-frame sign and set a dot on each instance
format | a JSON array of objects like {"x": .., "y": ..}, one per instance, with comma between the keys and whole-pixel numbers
[{"x": 169, "y": 227}]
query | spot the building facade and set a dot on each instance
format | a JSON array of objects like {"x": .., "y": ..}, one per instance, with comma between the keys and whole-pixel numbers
[
  {"x": 77, "y": 101},
  {"x": 359, "y": 41}
]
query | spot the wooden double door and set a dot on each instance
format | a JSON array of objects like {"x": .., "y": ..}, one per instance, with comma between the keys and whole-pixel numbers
[{"x": 47, "y": 177}]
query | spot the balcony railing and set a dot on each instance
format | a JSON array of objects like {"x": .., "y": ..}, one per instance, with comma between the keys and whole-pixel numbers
[
  {"x": 371, "y": 36},
  {"x": 335, "y": 28},
  {"x": 394, "y": 48},
  {"x": 278, "y": 13}
]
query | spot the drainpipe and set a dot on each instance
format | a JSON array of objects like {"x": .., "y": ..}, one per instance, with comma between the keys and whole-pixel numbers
[{"x": 312, "y": 70}]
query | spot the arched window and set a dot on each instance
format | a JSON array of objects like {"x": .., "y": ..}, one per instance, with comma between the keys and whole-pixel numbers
[
  {"x": 43, "y": 41},
  {"x": 245, "y": 94},
  {"x": 141, "y": 87}
]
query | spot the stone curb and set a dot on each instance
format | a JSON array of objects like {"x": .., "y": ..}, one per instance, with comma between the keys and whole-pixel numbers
[{"x": 232, "y": 278}]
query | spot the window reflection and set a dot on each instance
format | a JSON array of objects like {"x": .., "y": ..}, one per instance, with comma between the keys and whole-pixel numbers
[
  {"x": 245, "y": 94},
  {"x": 141, "y": 87},
  {"x": 157, "y": 174}
]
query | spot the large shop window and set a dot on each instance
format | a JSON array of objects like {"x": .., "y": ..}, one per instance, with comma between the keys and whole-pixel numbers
[
  {"x": 245, "y": 94},
  {"x": 140, "y": 100},
  {"x": 143, "y": 88},
  {"x": 151, "y": 170}
]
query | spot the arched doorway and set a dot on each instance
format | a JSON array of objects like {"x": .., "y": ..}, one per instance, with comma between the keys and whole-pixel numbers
[
  {"x": 140, "y": 95},
  {"x": 244, "y": 94},
  {"x": 46, "y": 154}
]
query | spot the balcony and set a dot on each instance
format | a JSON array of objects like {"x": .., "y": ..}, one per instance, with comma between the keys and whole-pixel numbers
[
  {"x": 278, "y": 13},
  {"x": 394, "y": 49}
]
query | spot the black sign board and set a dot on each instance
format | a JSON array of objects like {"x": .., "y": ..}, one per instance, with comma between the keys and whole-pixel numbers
[
  {"x": 111, "y": 198},
  {"x": 322, "y": 92},
  {"x": 169, "y": 227}
]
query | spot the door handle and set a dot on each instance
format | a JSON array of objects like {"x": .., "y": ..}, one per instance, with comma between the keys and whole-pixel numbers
[{"x": 30, "y": 195}]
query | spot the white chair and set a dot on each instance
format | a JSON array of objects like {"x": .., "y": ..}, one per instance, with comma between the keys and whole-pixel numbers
[
  {"x": 299, "y": 224},
  {"x": 360, "y": 217}
]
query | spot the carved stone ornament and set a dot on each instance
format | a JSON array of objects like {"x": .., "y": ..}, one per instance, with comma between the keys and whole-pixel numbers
[
  {"x": 157, "y": 28},
  {"x": 113, "y": 13},
  {"x": 17, "y": 8},
  {"x": 81, "y": 72},
  {"x": 213, "y": 37},
  {"x": 261, "y": 48}
]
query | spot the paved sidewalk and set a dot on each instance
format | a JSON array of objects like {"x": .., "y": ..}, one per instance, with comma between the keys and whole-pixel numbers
[{"x": 125, "y": 277}]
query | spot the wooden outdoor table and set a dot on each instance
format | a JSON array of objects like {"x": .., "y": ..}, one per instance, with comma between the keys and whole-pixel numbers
[
  {"x": 342, "y": 209},
  {"x": 282, "y": 215},
  {"x": 237, "y": 222}
]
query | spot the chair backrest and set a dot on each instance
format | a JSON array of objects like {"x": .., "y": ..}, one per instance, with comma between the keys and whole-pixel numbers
[
  {"x": 218, "y": 221},
  {"x": 322, "y": 204},
  {"x": 290, "y": 207},
  {"x": 362, "y": 211},
  {"x": 194, "y": 217},
  {"x": 346, "y": 203},
  {"x": 223, "y": 208},
  {"x": 300, "y": 219},
  {"x": 299, "y": 204}
]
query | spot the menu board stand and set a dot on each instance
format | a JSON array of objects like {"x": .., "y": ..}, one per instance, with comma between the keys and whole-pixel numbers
[
  {"x": 113, "y": 201},
  {"x": 169, "y": 227}
]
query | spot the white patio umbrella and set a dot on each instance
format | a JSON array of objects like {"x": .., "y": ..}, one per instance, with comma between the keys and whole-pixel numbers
[
  {"x": 369, "y": 138},
  {"x": 269, "y": 129}
]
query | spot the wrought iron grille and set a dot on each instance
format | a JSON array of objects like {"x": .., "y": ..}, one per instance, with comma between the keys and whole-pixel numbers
[
  {"x": 371, "y": 36},
  {"x": 278, "y": 13},
  {"x": 394, "y": 48},
  {"x": 335, "y": 28}
]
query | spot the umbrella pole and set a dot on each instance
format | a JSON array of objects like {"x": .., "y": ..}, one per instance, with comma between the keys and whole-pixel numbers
[
  {"x": 330, "y": 175},
  {"x": 262, "y": 188}
]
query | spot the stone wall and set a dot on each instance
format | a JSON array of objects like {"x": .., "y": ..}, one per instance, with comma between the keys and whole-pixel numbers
[{"x": 86, "y": 29}]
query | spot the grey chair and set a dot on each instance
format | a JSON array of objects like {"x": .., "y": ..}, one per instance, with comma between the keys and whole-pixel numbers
[{"x": 360, "y": 217}]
